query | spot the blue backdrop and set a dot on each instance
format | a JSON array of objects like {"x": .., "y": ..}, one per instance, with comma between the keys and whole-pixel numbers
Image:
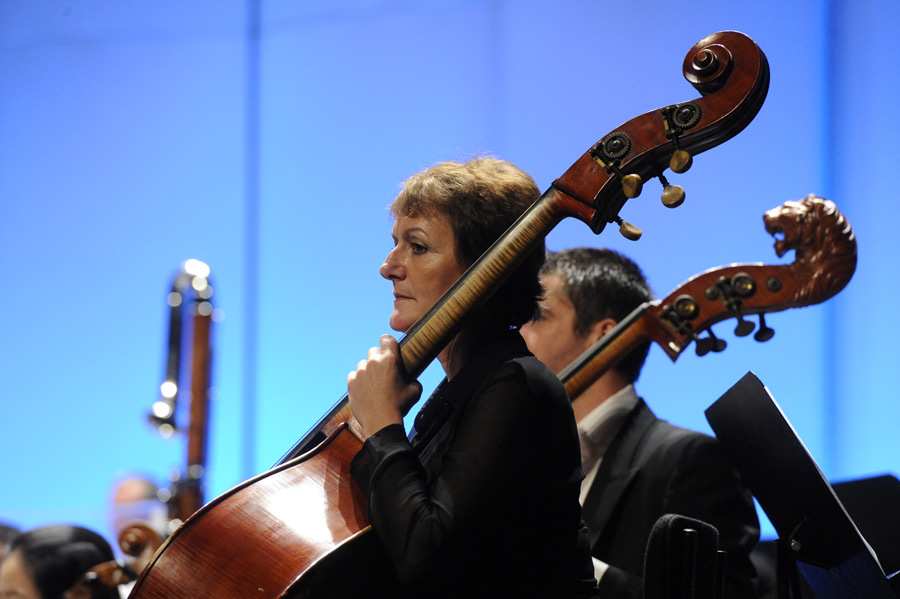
[{"x": 267, "y": 137}]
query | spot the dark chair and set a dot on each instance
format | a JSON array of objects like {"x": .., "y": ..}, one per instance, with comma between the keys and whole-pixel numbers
[{"x": 683, "y": 560}]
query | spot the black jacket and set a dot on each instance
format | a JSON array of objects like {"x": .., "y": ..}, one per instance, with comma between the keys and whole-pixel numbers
[{"x": 650, "y": 469}]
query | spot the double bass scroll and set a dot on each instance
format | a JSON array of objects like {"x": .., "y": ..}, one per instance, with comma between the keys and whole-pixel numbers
[{"x": 825, "y": 259}]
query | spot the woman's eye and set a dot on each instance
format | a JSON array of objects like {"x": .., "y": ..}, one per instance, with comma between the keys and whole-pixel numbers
[{"x": 418, "y": 248}]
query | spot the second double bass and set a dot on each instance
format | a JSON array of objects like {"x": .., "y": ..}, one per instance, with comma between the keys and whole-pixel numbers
[
  {"x": 277, "y": 534},
  {"x": 825, "y": 261}
]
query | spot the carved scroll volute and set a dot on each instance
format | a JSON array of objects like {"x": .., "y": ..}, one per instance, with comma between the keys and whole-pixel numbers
[
  {"x": 731, "y": 73},
  {"x": 140, "y": 542}
]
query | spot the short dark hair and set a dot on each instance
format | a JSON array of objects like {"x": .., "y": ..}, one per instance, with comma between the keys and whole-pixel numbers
[
  {"x": 481, "y": 198},
  {"x": 602, "y": 283},
  {"x": 57, "y": 556}
]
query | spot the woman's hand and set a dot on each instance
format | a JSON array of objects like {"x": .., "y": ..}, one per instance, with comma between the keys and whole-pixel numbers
[{"x": 378, "y": 394}]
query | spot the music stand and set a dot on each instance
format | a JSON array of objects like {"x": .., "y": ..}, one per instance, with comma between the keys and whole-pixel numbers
[
  {"x": 812, "y": 525},
  {"x": 874, "y": 505}
]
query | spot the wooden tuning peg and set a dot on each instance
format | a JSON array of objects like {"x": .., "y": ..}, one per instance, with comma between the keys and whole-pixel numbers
[
  {"x": 628, "y": 231},
  {"x": 632, "y": 185},
  {"x": 673, "y": 196},
  {"x": 681, "y": 161}
]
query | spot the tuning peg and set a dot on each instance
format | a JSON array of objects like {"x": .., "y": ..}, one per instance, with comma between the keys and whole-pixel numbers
[
  {"x": 703, "y": 345},
  {"x": 681, "y": 161},
  {"x": 764, "y": 333},
  {"x": 672, "y": 195},
  {"x": 609, "y": 154},
  {"x": 632, "y": 185},
  {"x": 719, "y": 345},
  {"x": 744, "y": 327},
  {"x": 628, "y": 231},
  {"x": 711, "y": 343}
]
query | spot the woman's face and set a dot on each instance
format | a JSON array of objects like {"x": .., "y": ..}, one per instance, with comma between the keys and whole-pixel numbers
[
  {"x": 15, "y": 579},
  {"x": 422, "y": 266}
]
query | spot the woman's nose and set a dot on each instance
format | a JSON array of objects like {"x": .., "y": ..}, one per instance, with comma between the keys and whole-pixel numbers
[{"x": 391, "y": 269}]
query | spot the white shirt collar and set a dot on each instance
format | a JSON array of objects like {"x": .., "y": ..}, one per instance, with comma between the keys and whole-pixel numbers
[{"x": 597, "y": 429}]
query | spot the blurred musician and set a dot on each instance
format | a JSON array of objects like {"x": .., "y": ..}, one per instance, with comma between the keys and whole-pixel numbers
[
  {"x": 43, "y": 563},
  {"x": 136, "y": 498}
]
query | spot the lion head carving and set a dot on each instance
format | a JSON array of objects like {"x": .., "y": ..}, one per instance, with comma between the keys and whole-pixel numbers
[{"x": 824, "y": 244}]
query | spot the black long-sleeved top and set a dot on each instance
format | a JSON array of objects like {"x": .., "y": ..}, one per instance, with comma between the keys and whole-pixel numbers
[{"x": 483, "y": 501}]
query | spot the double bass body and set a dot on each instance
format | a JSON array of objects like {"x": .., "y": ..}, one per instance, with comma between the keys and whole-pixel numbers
[{"x": 276, "y": 535}]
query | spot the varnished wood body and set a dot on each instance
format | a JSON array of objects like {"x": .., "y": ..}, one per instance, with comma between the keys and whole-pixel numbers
[
  {"x": 278, "y": 548},
  {"x": 259, "y": 539}
]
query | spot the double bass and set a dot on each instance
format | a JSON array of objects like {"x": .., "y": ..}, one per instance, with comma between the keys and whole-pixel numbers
[{"x": 297, "y": 529}]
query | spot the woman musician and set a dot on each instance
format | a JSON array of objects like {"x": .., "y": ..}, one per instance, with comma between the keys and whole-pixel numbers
[{"x": 482, "y": 498}]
